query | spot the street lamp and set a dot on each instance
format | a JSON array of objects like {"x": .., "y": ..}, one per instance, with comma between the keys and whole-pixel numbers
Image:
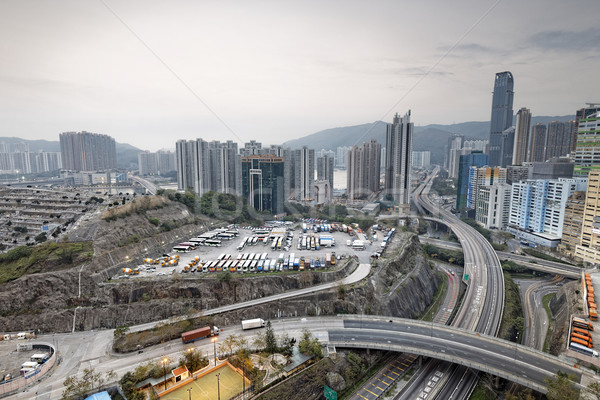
[
  {"x": 164, "y": 362},
  {"x": 214, "y": 340},
  {"x": 218, "y": 386},
  {"x": 190, "y": 393},
  {"x": 244, "y": 378}
]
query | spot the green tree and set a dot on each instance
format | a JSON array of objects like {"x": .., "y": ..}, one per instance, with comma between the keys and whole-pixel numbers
[
  {"x": 310, "y": 345},
  {"x": 561, "y": 387},
  {"x": 79, "y": 387},
  {"x": 259, "y": 341},
  {"x": 193, "y": 360},
  {"x": 270, "y": 340}
]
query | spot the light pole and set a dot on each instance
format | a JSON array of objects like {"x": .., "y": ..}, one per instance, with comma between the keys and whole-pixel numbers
[
  {"x": 516, "y": 344},
  {"x": 218, "y": 386},
  {"x": 244, "y": 378},
  {"x": 214, "y": 340},
  {"x": 164, "y": 363},
  {"x": 190, "y": 393}
]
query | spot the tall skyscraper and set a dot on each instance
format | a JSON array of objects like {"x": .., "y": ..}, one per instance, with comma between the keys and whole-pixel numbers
[
  {"x": 475, "y": 159},
  {"x": 537, "y": 151},
  {"x": 225, "y": 173},
  {"x": 85, "y": 151},
  {"x": 304, "y": 173},
  {"x": 193, "y": 165},
  {"x": 325, "y": 168},
  {"x": 364, "y": 170},
  {"x": 559, "y": 139},
  {"x": 521, "y": 136},
  {"x": 399, "y": 138},
  {"x": 587, "y": 149},
  {"x": 454, "y": 142},
  {"x": 502, "y": 115},
  {"x": 262, "y": 182}
]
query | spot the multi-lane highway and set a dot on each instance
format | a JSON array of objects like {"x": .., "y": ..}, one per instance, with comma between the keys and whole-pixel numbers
[
  {"x": 517, "y": 363},
  {"x": 484, "y": 300},
  {"x": 536, "y": 264}
]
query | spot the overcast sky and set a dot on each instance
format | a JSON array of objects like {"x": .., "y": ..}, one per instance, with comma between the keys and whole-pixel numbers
[{"x": 150, "y": 72}]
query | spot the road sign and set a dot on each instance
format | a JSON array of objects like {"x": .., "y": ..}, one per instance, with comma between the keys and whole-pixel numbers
[
  {"x": 329, "y": 393},
  {"x": 466, "y": 278}
]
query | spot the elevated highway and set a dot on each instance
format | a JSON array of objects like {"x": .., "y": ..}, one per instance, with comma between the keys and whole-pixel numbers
[
  {"x": 517, "y": 363},
  {"x": 150, "y": 187},
  {"x": 536, "y": 264},
  {"x": 483, "y": 304}
]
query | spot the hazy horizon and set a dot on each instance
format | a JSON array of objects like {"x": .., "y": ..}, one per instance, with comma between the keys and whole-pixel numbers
[{"x": 150, "y": 73}]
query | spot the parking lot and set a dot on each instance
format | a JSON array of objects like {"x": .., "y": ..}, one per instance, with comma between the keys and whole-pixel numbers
[{"x": 256, "y": 250}]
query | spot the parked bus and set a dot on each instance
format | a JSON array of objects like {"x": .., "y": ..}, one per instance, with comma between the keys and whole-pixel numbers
[
  {"x": 582, "y": 323},
  {"x": 583, "y": 349},
  {"x": 226, "y": 236},
  {"x": 213, "y": 242},
  {"x": 263, "y": 256},
  {"x": 242, "y": 244},
  {"x": 181, "y": 248}
]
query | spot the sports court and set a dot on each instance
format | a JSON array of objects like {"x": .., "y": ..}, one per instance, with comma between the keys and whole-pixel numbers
[{"x": 205, "y": 387}]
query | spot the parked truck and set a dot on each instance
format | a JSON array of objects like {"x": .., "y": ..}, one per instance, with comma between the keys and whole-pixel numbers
[
  {"x": 253, "y": 323},
  {"x": 201, "y": 333}
]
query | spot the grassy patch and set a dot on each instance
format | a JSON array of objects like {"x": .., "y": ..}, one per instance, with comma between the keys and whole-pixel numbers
[
  {"x": 512, "y": 318},
  {"x": 449, "y": 256},
  {"x": 543, "y": 256},
  {"x": 548, "y": 339},
  {"x": 45, "y": 257},
  {"x": 480, "y": 393},
  {"x": 436, "y": 303}
]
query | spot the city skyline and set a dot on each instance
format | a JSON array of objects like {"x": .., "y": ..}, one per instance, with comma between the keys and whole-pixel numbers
[{"x": 146, "y": 72}]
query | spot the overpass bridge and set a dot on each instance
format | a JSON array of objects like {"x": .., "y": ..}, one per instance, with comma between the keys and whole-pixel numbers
[
  {"x": 517, "y": 363},
  {"x": 150, "y": 187},
  {"x": 536, "y": 264}
]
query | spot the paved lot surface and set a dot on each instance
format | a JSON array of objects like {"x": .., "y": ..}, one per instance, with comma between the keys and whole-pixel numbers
[
  {"x": 11, "y": 359},
  {"x": 230, "y": 247}
]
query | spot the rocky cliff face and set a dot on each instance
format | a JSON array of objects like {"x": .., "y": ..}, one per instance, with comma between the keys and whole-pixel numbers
[{"x": 402, "y": 285}]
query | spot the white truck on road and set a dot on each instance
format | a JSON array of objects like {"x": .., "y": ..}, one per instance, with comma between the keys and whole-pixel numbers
[{"x": 253, "y": 323}]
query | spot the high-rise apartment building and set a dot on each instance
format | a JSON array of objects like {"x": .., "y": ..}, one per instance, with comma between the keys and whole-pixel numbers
[
  {"x": 421, "y": 159},
  {"x": 475, "y": 159},
  {"x": 538, "y": 206},
  {"x": 502, "y": 116},
  {"x": 571, "y": 233},
  {"x": 587, "y": 149},
  {"x": 193, "y": 166},
  {"x": 589, "y": 247},
  {"x": 521, "y": 136},
  {"x": 325, "y": 168},
  {"x": 537, "y": 151},
  {"x": 364, "y": 170},
  {"x": 157, "y": 163},
  {"x": 225, "y": 172},
  {"x": 559, "y": 139},
  {"x": 262, "y": 182},
  {"x": 482, "y": 176},
  {"x": 342, "y": 154},
  {"x": 85, "y": 151},
  {"x": 304, "y": 173},
  {"x": 508, "y": 142},
  {"x": 399, "y": 138},
  {"x": 493, "y": 205},
  {"x": 454, "y": 142}
]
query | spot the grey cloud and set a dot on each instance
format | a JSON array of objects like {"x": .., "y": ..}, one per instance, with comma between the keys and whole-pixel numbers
[{"x": 567, "y": 40}]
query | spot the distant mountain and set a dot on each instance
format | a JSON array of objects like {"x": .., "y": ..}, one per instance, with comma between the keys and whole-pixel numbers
[
  {"x": 126, "y": 154},
  {"x": 433, "y": 137}
]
